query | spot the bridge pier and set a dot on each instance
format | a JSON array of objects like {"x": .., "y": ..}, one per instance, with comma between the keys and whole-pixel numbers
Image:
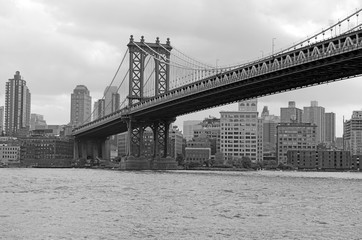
[
  {"x": 89, "y": 149},
  {"x": 136, "y": 158}
]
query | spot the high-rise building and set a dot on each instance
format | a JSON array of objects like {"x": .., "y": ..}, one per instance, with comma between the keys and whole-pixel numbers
[
  {"x": 17, "y": 106},
  {"x": 295, "y": 136},
  {"x": 291, "y": 113},
  {"x": 111, "y": 99},
  {"x": 241, "y": 132},
  {"x": 98, "y": 109},
  {"x": 270, "y": 123},
  {"x": 316, "y": 114},
  {"x": 37, "y": 122},
  {"x": 330, "y": 127},
  {"x": 2, "y": 120},
  {"x": 352, "y": 134},
  {"x": 188, "y": 128},
  {"x": 81, "y": 108},
  {"x": 175, "y": 141}
]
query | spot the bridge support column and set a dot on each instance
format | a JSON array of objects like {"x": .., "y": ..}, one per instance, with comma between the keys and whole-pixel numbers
[
  {"x": 135, "y": 159},
  {"x": 106, "y": 149},
  {"x": 161, "y": 159}
]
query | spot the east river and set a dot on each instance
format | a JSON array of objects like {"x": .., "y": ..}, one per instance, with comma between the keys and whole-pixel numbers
[{"x": 105, "y": 204}]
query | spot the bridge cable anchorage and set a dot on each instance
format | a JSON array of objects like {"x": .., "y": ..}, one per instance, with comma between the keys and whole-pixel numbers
[{"x": 114, "y": 77}]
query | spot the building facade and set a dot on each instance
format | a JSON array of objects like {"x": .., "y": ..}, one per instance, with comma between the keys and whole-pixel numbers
[
  {"x": 111, "y": 99},
  {"x": 17, "y": 106},
  {"x": 98, "y": 109},
  {"x": 316, "y": 115},
  {"x": 291, "y": 113},
  {"x": 294, "y": 136},
  {"x": 352, "y": 134},
  {"x": 37, "y": 122},
  {"x": 2, "y": 127},
  {"x": 211, "y": 130},
  {"x": 330, "y": 128},
  {"x": 188, "y": 128},
  {"x": 323, "y": 160},
  {"x": 241, "y": 132},
  {"x": 9, "y": 154},
  {"x": 81, "y": 108}
]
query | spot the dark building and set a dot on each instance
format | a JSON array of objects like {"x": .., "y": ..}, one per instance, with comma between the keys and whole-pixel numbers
[
  {"x": 45, "y": 148},
  {"x": 321, "y": 159}
]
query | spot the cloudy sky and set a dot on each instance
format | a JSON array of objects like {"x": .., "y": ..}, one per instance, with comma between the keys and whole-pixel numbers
[{"x": 57, "y": 45}]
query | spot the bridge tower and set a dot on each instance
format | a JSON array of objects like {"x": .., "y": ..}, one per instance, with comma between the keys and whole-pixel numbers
[{"x": 138, "y": 52}]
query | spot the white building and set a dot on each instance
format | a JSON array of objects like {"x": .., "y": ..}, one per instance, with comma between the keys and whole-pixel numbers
[
  {"x": 241, "y": 132},
  {"x": 9, "y": 154}
]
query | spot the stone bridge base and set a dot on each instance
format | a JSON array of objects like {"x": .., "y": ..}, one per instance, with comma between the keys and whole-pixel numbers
[{"x": 142, "y": 163}]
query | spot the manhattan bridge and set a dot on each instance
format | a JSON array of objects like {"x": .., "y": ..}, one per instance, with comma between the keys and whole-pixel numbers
[{"x": 164, "y": 83}]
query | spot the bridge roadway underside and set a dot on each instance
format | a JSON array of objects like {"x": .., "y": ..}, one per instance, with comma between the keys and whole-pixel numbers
[{"x": 311, "y": 73}]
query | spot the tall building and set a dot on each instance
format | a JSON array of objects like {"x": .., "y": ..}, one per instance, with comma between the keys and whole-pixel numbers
[
  {"x": 241, "y": 132},
  {"x": 98, "y": 109},
  {"x": 352, "y": 134},
  {"x": 330, "y": 127},
  {"x": 295, "y": 136},
  {"x": 316, "y": 114},
  {"x": 188, "y": 128},
  {"x": 80, "y": 109},
  {"x": 291, "y": 113},
  {"x": 2, "y": 120},
  {"x": 270, "y": 123},
  {"x": 111, "y": 99},
  {"x": 37, "y": 122},
  {"x": 175, "y": 141},
  {"x": 17, "y": 106}
]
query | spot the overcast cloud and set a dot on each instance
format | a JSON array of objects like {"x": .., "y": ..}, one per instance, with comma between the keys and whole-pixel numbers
[{"x": 57, "y": 45}]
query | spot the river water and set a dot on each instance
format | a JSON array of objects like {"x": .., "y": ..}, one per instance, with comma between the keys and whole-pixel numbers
[{"x": 105, "y": 204}]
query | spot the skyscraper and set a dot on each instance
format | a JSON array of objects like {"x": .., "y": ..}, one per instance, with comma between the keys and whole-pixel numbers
[
  {"x": 98, "y": 109},
  {"x": 188, "y": 128},
  {"x": 111, "y": 100},
  {"x": 80, "y": 109},
  {"x": 315, "y": 114},
  {"x": 352, "y": 134},
  {"x": 1, "y": 119},
  {"x": 330, "y": 123},
  {"x": 291, "y": 113},
  {"x": 17, "y": 106}
]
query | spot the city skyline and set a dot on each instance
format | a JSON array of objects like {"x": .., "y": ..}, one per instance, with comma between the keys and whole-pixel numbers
[{"x": 57, "y": 46}]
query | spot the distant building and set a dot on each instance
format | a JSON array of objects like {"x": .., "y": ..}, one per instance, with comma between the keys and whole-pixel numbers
[
  {"x": 175, "y": 142},
  {"x": 339, "y": 143},
  {"x": 356, "y": 162},
  {"x": 291, "y": 113},
  {"x": 242, "y": 132},
  {"x": 43, "y": 148},
  {"x": 188, "y": 128},
  {"x": 330, "y": 128},
  {"x": 316, "y": 114},
  {"x": 294, "y": 136},
  {"x": 17, "y": 106},
  {"x": 270, "y": 123},
  {"x": 98, "y": 109},
  {"x": 197, "y": 151},
  {"x": 80, "y": 109},
  {"x": 111, "y": 99},
  {"x": 326, "y": 160},
  {"x": 352, "y": 134},
  {"x": 210, "y": 128},
  {"x": 37, "y": 122},
  {"x": 2, "y": 127},
  {"x": 9, "y": 155}
]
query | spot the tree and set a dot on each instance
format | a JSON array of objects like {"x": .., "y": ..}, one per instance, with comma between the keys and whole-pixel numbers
[{"x": 180, "y": 159}]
